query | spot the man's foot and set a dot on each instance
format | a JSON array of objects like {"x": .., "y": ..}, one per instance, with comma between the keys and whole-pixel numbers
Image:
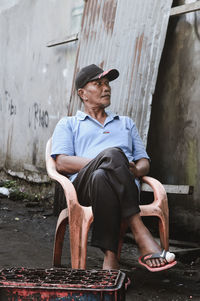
[
  {"x": 146, "y": 243},
  {"x": 110, "y": 261},
  {"x": 166, "y": 255}
]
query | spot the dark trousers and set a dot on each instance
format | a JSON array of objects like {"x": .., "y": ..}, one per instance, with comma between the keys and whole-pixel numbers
[{"x": 107, "y": 185}]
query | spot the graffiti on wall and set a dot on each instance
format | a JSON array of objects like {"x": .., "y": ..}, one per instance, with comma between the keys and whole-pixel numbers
[
  {"x": 38, "y": 117},
  {"x": 12, "y": 109}
]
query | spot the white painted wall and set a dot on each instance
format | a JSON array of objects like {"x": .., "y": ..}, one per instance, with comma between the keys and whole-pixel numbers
[{"x": 35, "y": 81}]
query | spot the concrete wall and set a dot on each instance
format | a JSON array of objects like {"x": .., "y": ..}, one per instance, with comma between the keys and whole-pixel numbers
[
  {"x": 35, "y": 83},
  {"x": 174, "y": 139}
]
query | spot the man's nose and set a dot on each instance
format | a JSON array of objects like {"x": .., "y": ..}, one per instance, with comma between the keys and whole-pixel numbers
[{"x": 106, "y": 88}]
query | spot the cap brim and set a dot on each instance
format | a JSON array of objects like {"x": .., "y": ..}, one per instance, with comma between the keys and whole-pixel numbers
[{"x": 111, "y": 74}]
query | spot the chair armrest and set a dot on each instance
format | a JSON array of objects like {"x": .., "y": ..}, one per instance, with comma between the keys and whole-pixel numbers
[
  {"x": 159, "y": 206},
  {"x": 158, "y": 189}
]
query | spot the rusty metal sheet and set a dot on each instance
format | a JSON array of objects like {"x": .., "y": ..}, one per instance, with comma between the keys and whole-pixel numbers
[{"x": 128, "y": 35}]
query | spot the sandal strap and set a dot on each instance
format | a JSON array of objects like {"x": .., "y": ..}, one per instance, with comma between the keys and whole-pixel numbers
[{"x": 154, "y": 256}]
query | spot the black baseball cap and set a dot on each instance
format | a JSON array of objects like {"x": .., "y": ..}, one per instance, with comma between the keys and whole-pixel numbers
[{"x": 93, "y": 72}]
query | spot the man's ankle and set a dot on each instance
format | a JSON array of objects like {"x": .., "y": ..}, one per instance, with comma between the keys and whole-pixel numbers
[{"x": 110, "y": 261}]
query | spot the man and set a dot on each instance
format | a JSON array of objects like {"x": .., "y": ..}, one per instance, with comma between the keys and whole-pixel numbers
[{"x": 104, "y": 156}]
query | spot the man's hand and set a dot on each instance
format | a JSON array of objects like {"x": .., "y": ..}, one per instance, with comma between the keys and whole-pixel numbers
[
  {"x": 140, "y": 168},
  {"x": 133, "y": 168}
]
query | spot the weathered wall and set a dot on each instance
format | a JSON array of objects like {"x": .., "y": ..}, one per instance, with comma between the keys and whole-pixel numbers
[
  {"x": 35, "y": 84},
  {"x": 174, "y": 139}
]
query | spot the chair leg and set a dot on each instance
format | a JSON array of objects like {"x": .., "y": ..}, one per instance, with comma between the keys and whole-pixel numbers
[
  {"x": 59, "y": 237},
  {"x": 79, "y": 227},
  {"x": 78, "y": 248},
  {"x": 78, "y": 245},
  {"x": 164, "y": 232}
]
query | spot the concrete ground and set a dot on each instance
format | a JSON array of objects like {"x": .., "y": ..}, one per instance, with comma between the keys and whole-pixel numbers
[{"x": 26, "y": 239}]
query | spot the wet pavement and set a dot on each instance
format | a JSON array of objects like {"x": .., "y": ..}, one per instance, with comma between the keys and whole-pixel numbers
[{"x": 26, "y": 240}]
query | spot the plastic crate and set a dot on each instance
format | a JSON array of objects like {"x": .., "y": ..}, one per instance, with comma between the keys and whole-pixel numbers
[{"x": 21, "y": 284}]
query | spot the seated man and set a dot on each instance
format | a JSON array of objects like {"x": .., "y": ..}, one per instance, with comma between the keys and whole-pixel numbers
[{"x": 104, "y": 157}]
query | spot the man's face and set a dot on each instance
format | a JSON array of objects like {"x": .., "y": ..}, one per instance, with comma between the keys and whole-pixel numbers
[{"x": 97, "y": 93}]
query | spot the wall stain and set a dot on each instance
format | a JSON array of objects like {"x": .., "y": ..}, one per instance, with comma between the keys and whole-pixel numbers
[
  {"x": 35, "y": 151},
  {"x": 192, "y": 162},
  {"x": 12, "y": 108}
]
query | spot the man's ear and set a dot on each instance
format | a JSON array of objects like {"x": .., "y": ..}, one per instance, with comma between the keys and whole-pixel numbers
[{"x": 81, "y": 93}]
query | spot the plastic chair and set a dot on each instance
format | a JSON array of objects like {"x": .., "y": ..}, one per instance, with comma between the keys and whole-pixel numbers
[{"x": 80, "y": 217}]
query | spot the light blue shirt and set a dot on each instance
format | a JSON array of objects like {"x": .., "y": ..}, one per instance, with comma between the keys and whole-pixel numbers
[{"x": 83, "y": 136}]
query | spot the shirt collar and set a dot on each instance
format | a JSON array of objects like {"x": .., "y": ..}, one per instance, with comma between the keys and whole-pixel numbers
[{"x": 82, "y": 115}]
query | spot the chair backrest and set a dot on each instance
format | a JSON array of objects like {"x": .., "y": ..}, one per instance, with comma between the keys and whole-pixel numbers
[
  {"x": 68, "y": 187},
  {"x": 50, "y": 163}
]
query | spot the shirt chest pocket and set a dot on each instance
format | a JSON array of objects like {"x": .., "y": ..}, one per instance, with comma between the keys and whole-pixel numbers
[{"x": 123, "y": 138}]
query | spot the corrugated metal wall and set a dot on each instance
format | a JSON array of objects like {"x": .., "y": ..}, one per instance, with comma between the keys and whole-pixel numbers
[{"x": 128, "y": 35}]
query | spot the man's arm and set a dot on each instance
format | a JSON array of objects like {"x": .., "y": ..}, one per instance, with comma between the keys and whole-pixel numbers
[
  {"x": 70, "y": 164},
  {"x": 140, "y": 168}
]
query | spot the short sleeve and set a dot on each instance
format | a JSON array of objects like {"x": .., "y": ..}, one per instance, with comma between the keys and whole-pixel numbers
[
  {"x": 62, "y": 139},
  {"x": 139, "y": 151}
]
